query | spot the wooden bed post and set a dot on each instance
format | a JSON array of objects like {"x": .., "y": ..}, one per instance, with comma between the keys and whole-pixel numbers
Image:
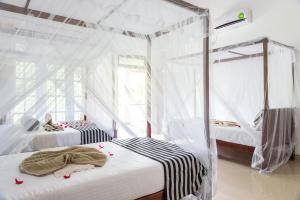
[
  {"x": 265, "y": 42},
  {"x": 206, "y": 94},
  {"x": 148, "y": 86},
  {"x": 264, "y": 142}
]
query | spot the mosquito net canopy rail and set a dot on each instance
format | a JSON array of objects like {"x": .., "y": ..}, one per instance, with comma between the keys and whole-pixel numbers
[
  {"x": 109, "y": 62},
  {"x": 253, "y": 93}
]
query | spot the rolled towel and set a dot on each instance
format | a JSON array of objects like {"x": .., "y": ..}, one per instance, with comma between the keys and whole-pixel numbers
[{"x": 47, "y": 162}]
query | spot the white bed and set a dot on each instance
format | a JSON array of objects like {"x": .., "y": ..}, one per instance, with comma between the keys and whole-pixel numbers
[
  {"x": 125, "y": 176},
  {"x": 44, "y": 139},
  {"x": 236, "y": 135}
]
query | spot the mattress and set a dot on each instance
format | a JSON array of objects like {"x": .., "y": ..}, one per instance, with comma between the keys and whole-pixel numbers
[
  {"x": 44, "y": 139},
  {"x": 237, "y": 135},
  {"x": 125, "y": 176}
]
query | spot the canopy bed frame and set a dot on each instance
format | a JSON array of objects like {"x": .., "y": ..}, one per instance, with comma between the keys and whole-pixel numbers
[
  {"x": 159, "y": 195},
  {"x": 271, "y": 132},
  {"x": 270, "y": 115}
]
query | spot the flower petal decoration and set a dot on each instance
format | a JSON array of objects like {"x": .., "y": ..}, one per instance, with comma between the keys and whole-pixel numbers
[
  {"x": 110, "y": 154},
  {"x": 67, "y": 176},
  {"x": 18, "y": 182}
]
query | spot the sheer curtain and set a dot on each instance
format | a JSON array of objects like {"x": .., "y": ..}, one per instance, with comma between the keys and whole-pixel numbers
[
  {"x": 111, "y": 61},
  {"x": 252, "y": 90}
]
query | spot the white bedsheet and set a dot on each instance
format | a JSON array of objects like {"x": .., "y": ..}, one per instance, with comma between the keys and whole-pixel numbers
[
  {"x": 237, "y": 135},
  {"x": 44, "y": 139},
  {"x": 125, "y": 176}
]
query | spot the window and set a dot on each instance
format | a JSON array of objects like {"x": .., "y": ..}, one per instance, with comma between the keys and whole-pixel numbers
[
  {"x": 64, "y": 97},
  {"x": 131, "y": 92},
  {"x": 78, "y": 93},
  {"x": 132, "y": 61},
  {"x": 56, "y": 100},
  {"x": 25, "y": 80}
]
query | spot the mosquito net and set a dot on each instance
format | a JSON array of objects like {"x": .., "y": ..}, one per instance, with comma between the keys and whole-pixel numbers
[
  {"x": 253, "y": 94},
  {"x": 110, "y": 62}
]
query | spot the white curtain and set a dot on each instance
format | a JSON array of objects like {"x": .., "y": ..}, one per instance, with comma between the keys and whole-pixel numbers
[
  {"x": 116, "y": 68},
  {"x": 248, "y": 112}
]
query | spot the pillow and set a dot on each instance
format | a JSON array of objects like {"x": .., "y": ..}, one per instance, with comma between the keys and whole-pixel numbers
[
  {"x": 225, "y": 123},
  {"x": 30, "y": 123}
]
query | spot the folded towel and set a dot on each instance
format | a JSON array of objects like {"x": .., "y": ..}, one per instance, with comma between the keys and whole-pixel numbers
[{"x": 47, "y": 162}]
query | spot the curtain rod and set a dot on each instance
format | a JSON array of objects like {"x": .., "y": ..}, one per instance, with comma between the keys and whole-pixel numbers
[
  {"x": 234, "y": 46},
  {"x": 81, "y": 23}
]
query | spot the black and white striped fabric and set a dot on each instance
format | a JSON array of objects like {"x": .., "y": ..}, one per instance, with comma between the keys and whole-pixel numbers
[
  {"x": 182, "y": 170},
  {"x": 94, "y": 135}
]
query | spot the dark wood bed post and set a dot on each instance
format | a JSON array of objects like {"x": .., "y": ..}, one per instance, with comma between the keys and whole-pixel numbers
[
  {"x": 148, "y": 86},
  {"x": 293, "y": 156},
  {"x": 206, "y": 93},
  {"x": 264, "y": 140},
  {"x": 265, "y": 43}
]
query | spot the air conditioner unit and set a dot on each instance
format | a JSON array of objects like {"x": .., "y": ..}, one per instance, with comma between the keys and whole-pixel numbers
[{"x": 234, "y": 19}]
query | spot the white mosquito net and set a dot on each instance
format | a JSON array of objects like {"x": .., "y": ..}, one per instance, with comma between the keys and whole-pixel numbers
[
  {"x": 110, "y": 62},
  {"x": 253, "y": 97}
]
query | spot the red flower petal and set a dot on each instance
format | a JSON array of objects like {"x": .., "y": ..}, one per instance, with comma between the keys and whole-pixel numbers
[
  {"x": 67, "y": 176},
  {"x": 18, "y": 182},
  {"x": 110, "y": 154}
]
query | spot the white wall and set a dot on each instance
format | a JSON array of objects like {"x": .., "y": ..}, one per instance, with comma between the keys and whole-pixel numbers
[{"x": 277, "y": 19}]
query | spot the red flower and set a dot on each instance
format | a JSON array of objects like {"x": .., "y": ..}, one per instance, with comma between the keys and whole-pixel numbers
[{"x": 18, "y": 182}]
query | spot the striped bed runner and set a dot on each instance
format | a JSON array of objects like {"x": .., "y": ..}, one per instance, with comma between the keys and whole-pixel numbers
[
  {"x": 182, "y": 170},
  {"x": 94, "y": 135}
]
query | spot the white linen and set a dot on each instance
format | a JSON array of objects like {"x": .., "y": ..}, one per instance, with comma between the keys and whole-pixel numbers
[
  {"x": 126, "y": 175},
  {"x": 44, "y": 139},
  {"x": 72, "y": 168},
  {"x": 236, "y": 135}
]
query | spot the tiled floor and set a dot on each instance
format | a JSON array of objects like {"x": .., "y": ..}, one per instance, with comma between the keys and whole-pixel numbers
[{"x": 240, "y": 182}]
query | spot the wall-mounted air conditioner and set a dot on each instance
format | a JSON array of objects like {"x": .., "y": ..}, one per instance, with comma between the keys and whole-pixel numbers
[{"x": 234, "y": 19}]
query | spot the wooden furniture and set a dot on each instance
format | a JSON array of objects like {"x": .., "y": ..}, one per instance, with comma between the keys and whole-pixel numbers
[
  {"x": 272, "y": 134},
  {"x": 155, "y": 196}
]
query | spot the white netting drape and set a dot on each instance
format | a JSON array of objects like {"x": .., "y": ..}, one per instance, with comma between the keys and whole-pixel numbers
[
  {"x": 253, "y": 100},
  {"x": 117, "y": 69}
]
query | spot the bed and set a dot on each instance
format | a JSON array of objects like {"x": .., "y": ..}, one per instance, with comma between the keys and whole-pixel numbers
[
  {"x": 139, "y": 172},
  {"x": 236, "y": 138},
  {"x": 44, "y": 140},
  {"x": 236, "y": 135},
  {"x": 259, "y": 77},
  {"x": 268, "y": 140},
  {"x": 126, "y": 175},
  {"x": 67, "y": 137}
]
